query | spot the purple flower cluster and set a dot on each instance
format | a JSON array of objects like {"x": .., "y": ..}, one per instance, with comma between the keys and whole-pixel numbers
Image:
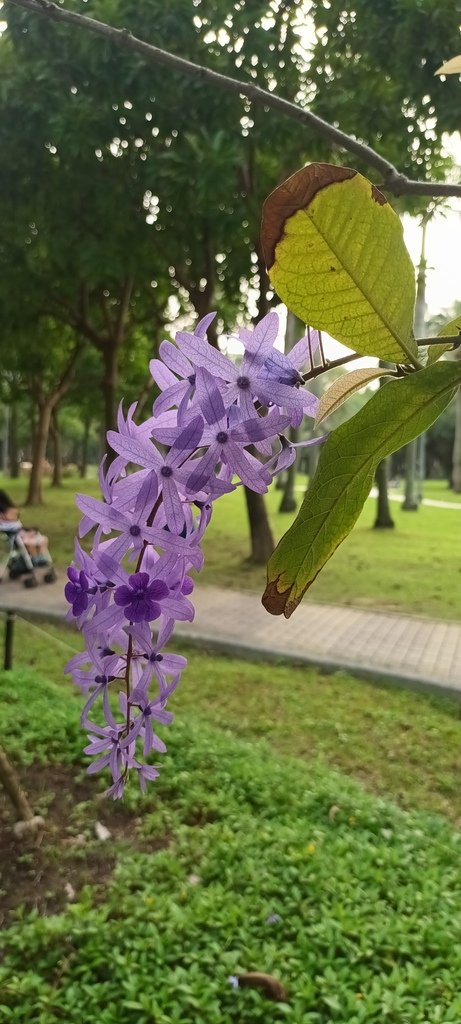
[{"x": 215, "y": 425}]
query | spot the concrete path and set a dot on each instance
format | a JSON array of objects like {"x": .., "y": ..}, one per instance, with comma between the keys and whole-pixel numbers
[
  {"x": 421, "y": 652},
  {"x": 432, "y": 502},
  {"x": 395, "y": 496}
]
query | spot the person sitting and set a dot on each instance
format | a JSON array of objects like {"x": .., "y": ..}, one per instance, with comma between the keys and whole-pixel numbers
[{"x": 10, "y": 524}]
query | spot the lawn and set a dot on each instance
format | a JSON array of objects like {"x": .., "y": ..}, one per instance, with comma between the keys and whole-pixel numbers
[
  {"x": 394, "y": 742},
  {"x": 414, "y": 568},
  {"x": 237, "y": 861}
]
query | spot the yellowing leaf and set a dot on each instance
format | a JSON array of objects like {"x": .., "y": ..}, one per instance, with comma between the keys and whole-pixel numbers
[
  {"x": 335, "y": 255},
  {"x": 395, "y": 414},
  {"x": 343, "y": 388},
  {"x": 451, "y": 67},
  {"x": 447, "y": 331}
]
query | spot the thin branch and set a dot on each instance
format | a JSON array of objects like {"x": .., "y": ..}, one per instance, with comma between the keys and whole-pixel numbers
[
  {"x": 330, "y": 365},
  {"x": 66, "y": 377},
  {"x": 393, "y": 180},
  {"x": 455, "y": 340},
  {"x": 317, "y": 370}
]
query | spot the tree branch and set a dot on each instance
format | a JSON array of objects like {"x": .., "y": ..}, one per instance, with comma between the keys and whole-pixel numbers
[
  {"x": 393, "y": 180},
  {"x": 66, "y": 377}
]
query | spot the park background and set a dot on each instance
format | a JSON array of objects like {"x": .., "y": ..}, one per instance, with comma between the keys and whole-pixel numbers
[{"x": 306, "y": 823}]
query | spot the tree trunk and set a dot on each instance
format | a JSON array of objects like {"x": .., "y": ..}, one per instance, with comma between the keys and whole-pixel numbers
[
  {"x": 413, "y": 486},
  {"x": 384, "y": 520},
  {"x": 288, "y": 503},
  {"x": 410, "y": 503},
  {"x": 421, "y": 465},
  {"x": 110, "y": 389},
  {"x": 83, "y": 467},
  {"x": 13, "y": 451},
  {"x": 456, "y": 473},
  {"x": 34, "y": 493},
  {"x": 262, "y": 541},
  {"x": 56, "y": 480},
  {"x": 313, "y": 454}
]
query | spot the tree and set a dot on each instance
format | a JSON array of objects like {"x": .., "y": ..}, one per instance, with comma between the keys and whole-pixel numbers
[
  {"x": 44, "y": 371},
  {"x": 114, "y": 299},
  {"x": 455, "y": 468},
  {"x": 403, "y": 109},
  {"x": 86, "y": 269},
  {"x": 79, "y": 263}
]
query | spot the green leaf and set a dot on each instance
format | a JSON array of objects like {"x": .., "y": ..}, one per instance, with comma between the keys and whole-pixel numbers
[
  {"x": 400, "y": 411},
  {"x": 447, "y": 331},
  {"x": 335, "y": 255},
  {"x": 343, "y": 388}
]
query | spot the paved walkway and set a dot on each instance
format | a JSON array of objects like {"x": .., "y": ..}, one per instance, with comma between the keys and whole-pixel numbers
[
  {"x": 421, "y": 652},
  {"x": 432, "y": 502},
  {"x": 394, "y": 496}
]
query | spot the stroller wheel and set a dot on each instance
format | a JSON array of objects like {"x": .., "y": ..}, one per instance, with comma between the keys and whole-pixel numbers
[
  {"x": 50, "y": 576},
  {"x": 30, "y": 582}
]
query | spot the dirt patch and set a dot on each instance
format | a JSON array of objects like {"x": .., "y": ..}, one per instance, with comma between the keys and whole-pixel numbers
[{"x": 48, "y": 871}]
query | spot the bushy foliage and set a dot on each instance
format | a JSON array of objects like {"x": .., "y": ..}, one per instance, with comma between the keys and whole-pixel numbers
[{"x": 266, "y": 865}]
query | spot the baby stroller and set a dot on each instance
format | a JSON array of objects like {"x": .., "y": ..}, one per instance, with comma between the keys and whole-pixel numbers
[
  {"x": 27, "y": 549},
  {"x": 18, "y": 562}
]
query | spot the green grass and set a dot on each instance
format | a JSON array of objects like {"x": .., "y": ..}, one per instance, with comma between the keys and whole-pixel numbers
[
  {"x": 415, "y": 568},
  {"x": 396, "y": 743},
  {"x": 367, "y": 897}
]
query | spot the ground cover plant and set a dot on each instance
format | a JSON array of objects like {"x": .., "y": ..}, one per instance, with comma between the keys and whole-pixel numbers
[{"x": 235, "y": 862}]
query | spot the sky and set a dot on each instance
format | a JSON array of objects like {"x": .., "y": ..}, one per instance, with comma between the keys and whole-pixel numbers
[{"x": 443, "y": 245}]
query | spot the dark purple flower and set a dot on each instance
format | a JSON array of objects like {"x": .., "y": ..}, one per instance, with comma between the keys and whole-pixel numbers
[
  {"x": 141, "y": 598},
  {"x": 78, "y": 590}
]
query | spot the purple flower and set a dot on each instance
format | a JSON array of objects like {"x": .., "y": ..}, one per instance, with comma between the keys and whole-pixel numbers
[
  {"x": 212, "y": 416},
  {"x": 227, "y": 443},
  {"x": 168, "y": 471},
  {"x": 233, "y": 980},
  {"x": 250, "y": 382},
  {"x": 285, "y": 368},
  {"x": 152, "y": 660},
  {"x": 141, "y": 598},
  {"x": 106, "y": 741},
  {"x": 149, "y": 711},
  {"x": 77, "y": 590},
  {"x": 174, "y": 373}
]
